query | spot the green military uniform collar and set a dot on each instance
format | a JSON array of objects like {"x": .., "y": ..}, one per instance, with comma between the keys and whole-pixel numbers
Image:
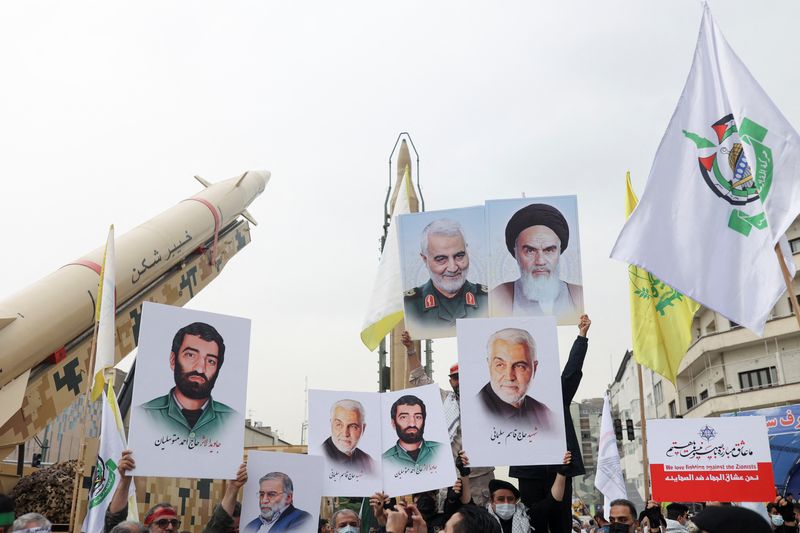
[
  {"x": 173, "y": 410},
  {"x": 426, "y": 453},
  {"x": 467, "y": 296}
]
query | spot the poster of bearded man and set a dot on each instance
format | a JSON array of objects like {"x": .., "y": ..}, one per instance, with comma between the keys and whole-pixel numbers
[
  {"x": 511, "y": 400},
  {"x": 534, "y": 258},
  {"x": 282, "y": 494},
  {"x": 189, "y": 393},
  {"x": 344, "y": 428},
  {"x": 443, "y": 264}
]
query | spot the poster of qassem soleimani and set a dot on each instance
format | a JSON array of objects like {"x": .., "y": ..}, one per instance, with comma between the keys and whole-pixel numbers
[
  {"x": 395, "y": 442},
  {"x": 511, "y": 402},
  {"x": 444, "y": 269}
]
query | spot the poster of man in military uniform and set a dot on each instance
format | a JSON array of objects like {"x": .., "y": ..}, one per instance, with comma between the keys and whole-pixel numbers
[
  {"x": 443, "y": 264},
  {"x": 189, "y": 393},
  {"x": 416, "y": 454}
]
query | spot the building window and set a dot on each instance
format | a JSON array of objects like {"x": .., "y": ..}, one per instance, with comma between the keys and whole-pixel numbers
[
  {"x": 794, "y": 244},
  {"x": 703, "y": 395},
  {"x": 756, "y": 379},
  {"x": 734, "y": 324},
  {"x": 691, "y": 401},
  {"x": 658, "y": 394},
  {"x": 586, "y": 435},
  {"x": 673, "y": 409}
]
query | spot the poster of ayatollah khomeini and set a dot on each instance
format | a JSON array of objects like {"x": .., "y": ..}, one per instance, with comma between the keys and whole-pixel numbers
[{"x": 189, "y": 393}]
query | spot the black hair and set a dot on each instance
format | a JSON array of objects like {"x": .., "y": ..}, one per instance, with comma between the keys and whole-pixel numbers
[
  {"x": 205, "y": 332},
  {"x": 476, "y": 519},
  {"x": 675, "y": 510},
  {"x": 627, "y": 503},
  {"x": 408, "y": 399}
]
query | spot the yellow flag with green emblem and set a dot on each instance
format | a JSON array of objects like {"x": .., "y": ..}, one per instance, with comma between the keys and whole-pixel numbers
[{"x": 661, "y": 317}]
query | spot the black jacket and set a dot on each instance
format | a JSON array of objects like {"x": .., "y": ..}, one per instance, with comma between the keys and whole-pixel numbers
[{"x": 570, "y": 380}]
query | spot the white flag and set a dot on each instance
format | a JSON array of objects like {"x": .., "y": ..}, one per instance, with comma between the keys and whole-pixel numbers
[
  {"x": 105, "y": 316},
  {"x": 385, "y": 309},
  {"x": 722, "y": 191},
  {"x": 608, "y": 478},
  {"x": 106, "y": 475}
]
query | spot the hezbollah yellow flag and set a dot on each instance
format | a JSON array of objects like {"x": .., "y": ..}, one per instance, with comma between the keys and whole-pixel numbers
[
  {"x": 661, "y": 317},
  {"x": 385, "y": 309}
]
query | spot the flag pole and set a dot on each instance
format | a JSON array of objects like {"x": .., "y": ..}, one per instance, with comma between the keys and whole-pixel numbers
[
  {"x": 787, "y": 278},
  {"x": 645, "y": 464}
]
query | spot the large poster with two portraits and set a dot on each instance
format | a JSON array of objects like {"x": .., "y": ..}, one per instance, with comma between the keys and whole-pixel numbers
[
  {"x": 515, "y": 257},
  {"x": 511, "y": 403},
  {"x": 189, "y": 393},
  {"x": 396, "y": 442}
]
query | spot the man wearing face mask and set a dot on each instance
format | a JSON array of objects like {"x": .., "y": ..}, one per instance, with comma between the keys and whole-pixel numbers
[
  {"x": 345, "y": 521},
  {"x": 622, "y": 517},
  {"x": 513, "y": 515}
]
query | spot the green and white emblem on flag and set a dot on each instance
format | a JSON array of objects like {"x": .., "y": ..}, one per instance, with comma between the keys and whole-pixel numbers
[
  {"x": 727, "y": 172},
  {"x": 723, "y": 189}
]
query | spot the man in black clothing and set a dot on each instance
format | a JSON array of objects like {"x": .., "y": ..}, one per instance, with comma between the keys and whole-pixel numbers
[{"x": 535, "y": 481}]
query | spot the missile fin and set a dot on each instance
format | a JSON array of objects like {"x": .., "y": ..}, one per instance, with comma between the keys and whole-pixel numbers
[
  {"x": 12, "y": 395},
  {"x": 239, "y": 181},
  {"x": 6, "y": 320},
  {"x": 204, "y": 181},
  {"x": 246, "y": 214}
]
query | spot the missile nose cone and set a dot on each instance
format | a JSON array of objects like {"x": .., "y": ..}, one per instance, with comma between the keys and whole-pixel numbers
[{"x": 258, "y": 179}]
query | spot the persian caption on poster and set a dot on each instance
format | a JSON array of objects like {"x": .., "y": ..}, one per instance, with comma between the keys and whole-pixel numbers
[{"x": 702, "y": 459}]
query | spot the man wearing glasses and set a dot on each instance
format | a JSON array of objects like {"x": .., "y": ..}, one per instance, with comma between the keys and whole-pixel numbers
[
  {"x": 276, "y": 498},
  {"x": 162, "y": 517}
]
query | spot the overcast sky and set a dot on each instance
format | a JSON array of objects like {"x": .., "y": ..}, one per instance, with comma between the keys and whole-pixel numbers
[{"x": 107, "y": 109}]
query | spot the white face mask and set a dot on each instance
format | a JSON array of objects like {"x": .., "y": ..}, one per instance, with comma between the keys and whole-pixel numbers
[
  {"x": 347, "y": 529},
  {"x": 505, "y": 510},
  {"x": 777, "y": 519}
]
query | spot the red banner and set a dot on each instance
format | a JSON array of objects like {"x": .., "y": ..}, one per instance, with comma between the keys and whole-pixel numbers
[{"x": 700, "y": 485}]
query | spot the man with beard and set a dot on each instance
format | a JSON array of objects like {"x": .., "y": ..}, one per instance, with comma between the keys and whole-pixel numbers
[
  {"x": 434, "y": 307},
  {"x": 536, "y": 236},
  {"x": 198, "y": 352},
  {"x": 347, "y": 426},
  {"x": 511, "y": 354},
  {"x": 479, "y": 477},
  {"x": 408, "y": 419},
  {"x": 278, "y": 514}
]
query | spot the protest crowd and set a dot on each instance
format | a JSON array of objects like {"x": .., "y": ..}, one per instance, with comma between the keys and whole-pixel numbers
[
  {"x": 421, "y": 458},
  {"x": 476, "y": 502}
]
